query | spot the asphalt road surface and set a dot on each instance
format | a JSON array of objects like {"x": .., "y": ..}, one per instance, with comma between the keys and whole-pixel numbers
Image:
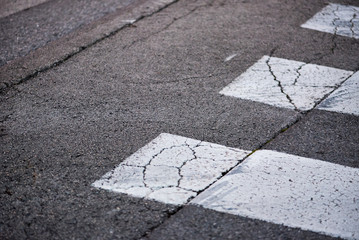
[
  {"x": 26, "y": 30},
  {"x": 79, "y": 107}
]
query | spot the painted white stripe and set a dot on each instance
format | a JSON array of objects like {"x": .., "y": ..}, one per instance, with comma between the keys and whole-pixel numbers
[
  {"x": 345, "y": 99},
  {"x": 290, "y": 190},
  {"x": 271, "y": 186},
  {"x": 286, "y": 83},
  {"x": 171, "y": 169},
  {"x": 229, "y": 58},
  {"x": 130, "y": 21},
  {"x": 336, "y": 19}
]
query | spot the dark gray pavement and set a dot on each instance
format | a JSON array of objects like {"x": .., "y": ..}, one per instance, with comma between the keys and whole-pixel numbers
[
  {"x": 25, "y": 31},
  {"x": 9, "y": 7},
  {"x": 328, "y": 136},
  {"x": 65, "y": 125},
  {"x": 190, "y": 222}
]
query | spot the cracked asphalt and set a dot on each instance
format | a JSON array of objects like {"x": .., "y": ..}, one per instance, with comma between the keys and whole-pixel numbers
[
  {"x": 25, "y": 31},
  {"x": 74, "y": 109}
]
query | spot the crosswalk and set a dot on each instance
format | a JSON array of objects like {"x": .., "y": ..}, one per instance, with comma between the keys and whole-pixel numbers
[
  {"x": 171, "y": 169},
  {"x": 276, "y": 187},
  {"x": 290, "y": 190},
  {"x": 336, "y": 19},
  {"x": 199, "y": 120},
  {"x": 345, "y": 99},
  {"x": 272, "y": 186},
  {"x": 286, "y": 83}
]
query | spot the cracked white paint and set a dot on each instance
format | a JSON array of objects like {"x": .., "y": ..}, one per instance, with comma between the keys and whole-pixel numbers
[
  {"x": 290, "y": 190},
  {"x": 171, "y": 169},
  {"x": 271, "y": 186},
  {"x": 336, "y": 19},
  {"x": 286, "y": 83},
  {"x": 345, "y": 99}
]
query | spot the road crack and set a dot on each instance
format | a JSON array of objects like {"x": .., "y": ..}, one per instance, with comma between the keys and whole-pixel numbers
[
  {"x": 175, "y": 19},
  {"x": 144, "y": 173},
  {"x": 185, "y": 162},
  {"x": 5, "y": 86},
  {"x": 279, "y": 82},
  {"x": 337, "y": 18},
  {"x": 298, "y": 73},
  {"x": 352, "y": 24}
]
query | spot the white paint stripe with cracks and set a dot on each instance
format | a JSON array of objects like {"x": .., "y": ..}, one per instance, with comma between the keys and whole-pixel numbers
[
  {"x": 336, "y": 19},
  {"x": 171, "y": 169},
  {"x": 290, "y": 190},
  {"x": 345, "y": 99},
  {"x": 286, "y": 83},
  {"x": 271, "y": 186}
]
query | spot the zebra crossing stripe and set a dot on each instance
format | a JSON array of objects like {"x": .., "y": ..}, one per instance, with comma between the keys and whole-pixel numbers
[
  {"x": 171, "y": 169},
  {"x": 336, "y": 19},
  {"x": 345, "y": 99},
  {"x": 286, "y": 83},
  {"x": 271, "y": 186},
  {"x": 276, "y": 187},
  {"x": 290, "y": 190}
]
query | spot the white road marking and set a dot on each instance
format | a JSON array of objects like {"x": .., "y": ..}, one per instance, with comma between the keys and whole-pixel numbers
[
  {"x": 171, "y": 169},
  {"x": 271, "y": 186},
  {"x": 286, "y": 83},
  {"x": 130, "y": 21},
  {"x": 290, "y": 190},
  {"x": 345, "y": 99},
  {"x": 336, "y": 19},
  {"x": 229, "y": 58}
]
